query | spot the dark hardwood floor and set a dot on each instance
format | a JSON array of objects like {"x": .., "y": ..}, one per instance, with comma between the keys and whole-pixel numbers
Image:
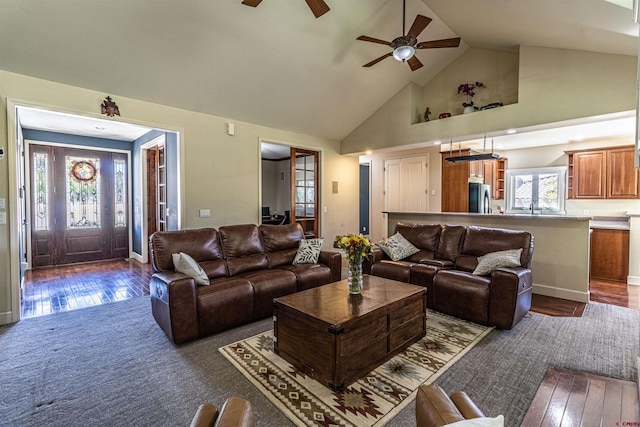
[{"x": 55, "y": 289}]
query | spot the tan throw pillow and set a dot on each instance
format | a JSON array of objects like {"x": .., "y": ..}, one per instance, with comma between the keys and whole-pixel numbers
[
  {"x": 397, "y": 247},
  {"x": 187, "y": 265},
  {"x": 489, "y": 262},
  {"x": 308, "y": 251}
]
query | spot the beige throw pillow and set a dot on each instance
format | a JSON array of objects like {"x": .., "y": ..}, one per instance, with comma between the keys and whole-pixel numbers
[
  {"x": 397, "y": 247},
  {"x": 187, "y": 265},
  {"x": 489, "y": 262}
]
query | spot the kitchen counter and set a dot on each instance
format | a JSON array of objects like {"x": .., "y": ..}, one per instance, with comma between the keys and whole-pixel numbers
[
  {"x": 560, "y": 265},
  {"x": 610, "y": 222}
]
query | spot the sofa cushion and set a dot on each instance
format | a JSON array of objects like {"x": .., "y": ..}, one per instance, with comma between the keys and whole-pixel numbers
[
  {"x": 397, "y": 247},
  {"x": 394, "y": 270},
  {"x": 463, "y": 295},
  {"x": 201, "y": 244},
  {"x": 267, "y": 285},
  {"x": 281, "y": 242},
  {"x": 479, "y": 241},
  {"x": 187, "y": 265},
  {"x": 242, "y": 248},
  {"x": 423, "y": 236},
  {"x": 310, "y": 275},
  {"x": 489, "y": 262},
  {"x": 450, "y": 242},
  {"x": 218, "y": 305},
  {"x": 308, "y": 251}
]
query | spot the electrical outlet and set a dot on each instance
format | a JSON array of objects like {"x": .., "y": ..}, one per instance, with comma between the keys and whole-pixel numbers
[{"x": 205, "y": 213}]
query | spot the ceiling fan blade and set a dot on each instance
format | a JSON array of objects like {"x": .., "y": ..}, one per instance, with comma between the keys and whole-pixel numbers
[
  {"x": 375, "y": 61},
  {"x": 372, "y": 40},
  {"x": 318, "y": 7},
  {"x": 434, "y": 44},
  {"x": 414, "y": 63},
  {"x": 419, "y": 24},
  {"x": 252, "y": 3}
]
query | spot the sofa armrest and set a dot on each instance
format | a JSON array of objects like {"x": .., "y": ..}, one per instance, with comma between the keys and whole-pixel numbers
[
  {"x": 334, "y": 261},
  {"x": 434, "y": 408},
  {"x": 174, "y": 305},
  {"x": 465, "y": 405},
  {"x": 205, "y": 415},
  {"x": 236, "y": 412},
  {"x": 377, "y": 256},
  {"x": 510, "y": 299}
]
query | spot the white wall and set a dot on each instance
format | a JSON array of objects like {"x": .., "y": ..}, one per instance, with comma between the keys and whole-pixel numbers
[
  {"x": 219, "y": 172},
  {"x": 553, "y": 85}
]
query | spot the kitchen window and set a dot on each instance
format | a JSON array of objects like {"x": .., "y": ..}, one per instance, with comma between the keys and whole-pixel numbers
[{"x": 532, "y": 191}]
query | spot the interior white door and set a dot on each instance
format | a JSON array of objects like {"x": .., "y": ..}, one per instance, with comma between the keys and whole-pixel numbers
[{"x": 406, "y": 184}]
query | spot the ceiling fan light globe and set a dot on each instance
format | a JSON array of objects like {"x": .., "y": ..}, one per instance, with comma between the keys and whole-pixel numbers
[{"x": 402, "y": 53}]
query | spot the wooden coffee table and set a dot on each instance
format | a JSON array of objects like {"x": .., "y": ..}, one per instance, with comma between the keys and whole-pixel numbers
[{"x": 337, "y": 338}]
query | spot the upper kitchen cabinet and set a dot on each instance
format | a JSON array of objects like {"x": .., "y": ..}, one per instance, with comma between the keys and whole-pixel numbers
[
  {"x": 622, "y": 176},
  {"x": 606, "y": 173}
]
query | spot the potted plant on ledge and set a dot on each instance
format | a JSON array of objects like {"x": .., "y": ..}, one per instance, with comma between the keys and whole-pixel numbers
[{"x": 468, "y": 89}]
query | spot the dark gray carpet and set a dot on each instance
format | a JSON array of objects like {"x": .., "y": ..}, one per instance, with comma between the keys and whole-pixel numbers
[{"x": 112, "y": 365}]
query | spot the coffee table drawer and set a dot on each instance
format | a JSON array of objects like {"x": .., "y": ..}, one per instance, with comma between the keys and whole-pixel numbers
[{"x": 406, "y": 332}]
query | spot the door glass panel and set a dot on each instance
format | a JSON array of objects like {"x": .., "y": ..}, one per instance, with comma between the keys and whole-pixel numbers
[
  {"x": 309, "y": 163},
  {"x": 310, "y": 195},
  {"x": 82, "y": 192},
  {"x": 120, "y": 193},
  {"x": 41, "y": 170},
  {"x": 309, "y": 178}
]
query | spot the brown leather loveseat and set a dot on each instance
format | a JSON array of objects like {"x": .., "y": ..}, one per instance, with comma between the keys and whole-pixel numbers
[
  {"x": 447, "y": 258},
  {"x": 247, "y": 266}
]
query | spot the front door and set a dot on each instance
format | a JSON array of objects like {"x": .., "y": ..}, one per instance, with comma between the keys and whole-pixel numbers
[{"x": 79, "y": 205}]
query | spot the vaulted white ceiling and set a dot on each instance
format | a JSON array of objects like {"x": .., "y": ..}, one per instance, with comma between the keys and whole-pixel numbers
[{"x": 277, "y": 65}]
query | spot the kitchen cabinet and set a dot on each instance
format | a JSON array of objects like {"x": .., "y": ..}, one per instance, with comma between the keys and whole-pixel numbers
[
  {"x": 606, "y": 173},
  {"x": 494, "y": 176},
  {"x": 455, "y": 183},
  {"x": 622, "y": 176},
  {"x": 455, "y": 180},
  {"x": 609, "y": 254}
]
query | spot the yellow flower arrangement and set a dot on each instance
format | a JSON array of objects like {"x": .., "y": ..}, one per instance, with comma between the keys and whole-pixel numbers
[{"x": 357, "y": 248}]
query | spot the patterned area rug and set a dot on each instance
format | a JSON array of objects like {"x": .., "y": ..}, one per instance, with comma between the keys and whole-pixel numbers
[{"x": 370, "y": 401}]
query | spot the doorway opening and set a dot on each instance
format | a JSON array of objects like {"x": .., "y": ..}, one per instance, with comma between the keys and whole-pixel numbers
[
  {"x": 290, "y": 186},
  {"x": 80, "y": 189}
]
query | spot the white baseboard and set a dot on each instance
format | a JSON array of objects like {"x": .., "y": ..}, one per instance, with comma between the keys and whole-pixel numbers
[
  {"x": 633, "y": 280},
  {"x": 554, "y": 292},
  {"x": 6, "y": 318}
]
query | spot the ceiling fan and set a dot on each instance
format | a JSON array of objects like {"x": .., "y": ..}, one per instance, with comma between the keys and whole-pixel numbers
[
  {"x": 404, "y": 46},
  {"x": 318, "y": 7}
]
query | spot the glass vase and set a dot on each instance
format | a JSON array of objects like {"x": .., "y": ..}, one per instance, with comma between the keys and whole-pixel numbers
[{"x": 354, "y": 277}]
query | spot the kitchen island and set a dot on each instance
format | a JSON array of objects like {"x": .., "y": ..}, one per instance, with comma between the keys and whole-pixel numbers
[{"x": 560, "y": 265}]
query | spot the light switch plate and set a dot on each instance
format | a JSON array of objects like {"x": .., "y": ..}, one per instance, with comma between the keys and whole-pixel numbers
[
  {"x": 2, "y": 203},
  {"x": 3, "y": 217},
  {"x": 205, "y": 213}
]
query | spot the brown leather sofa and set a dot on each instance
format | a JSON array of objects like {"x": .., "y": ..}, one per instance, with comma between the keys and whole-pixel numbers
[
  {"x": 444, "y": 265},
  {"x": 435, "y": 409},
  {"x": 236, "y": 412},
  {"x": 247, "y": 265}
]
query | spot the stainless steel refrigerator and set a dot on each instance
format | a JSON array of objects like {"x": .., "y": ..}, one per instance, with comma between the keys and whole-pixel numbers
[{"x": 479, "y": 198}]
